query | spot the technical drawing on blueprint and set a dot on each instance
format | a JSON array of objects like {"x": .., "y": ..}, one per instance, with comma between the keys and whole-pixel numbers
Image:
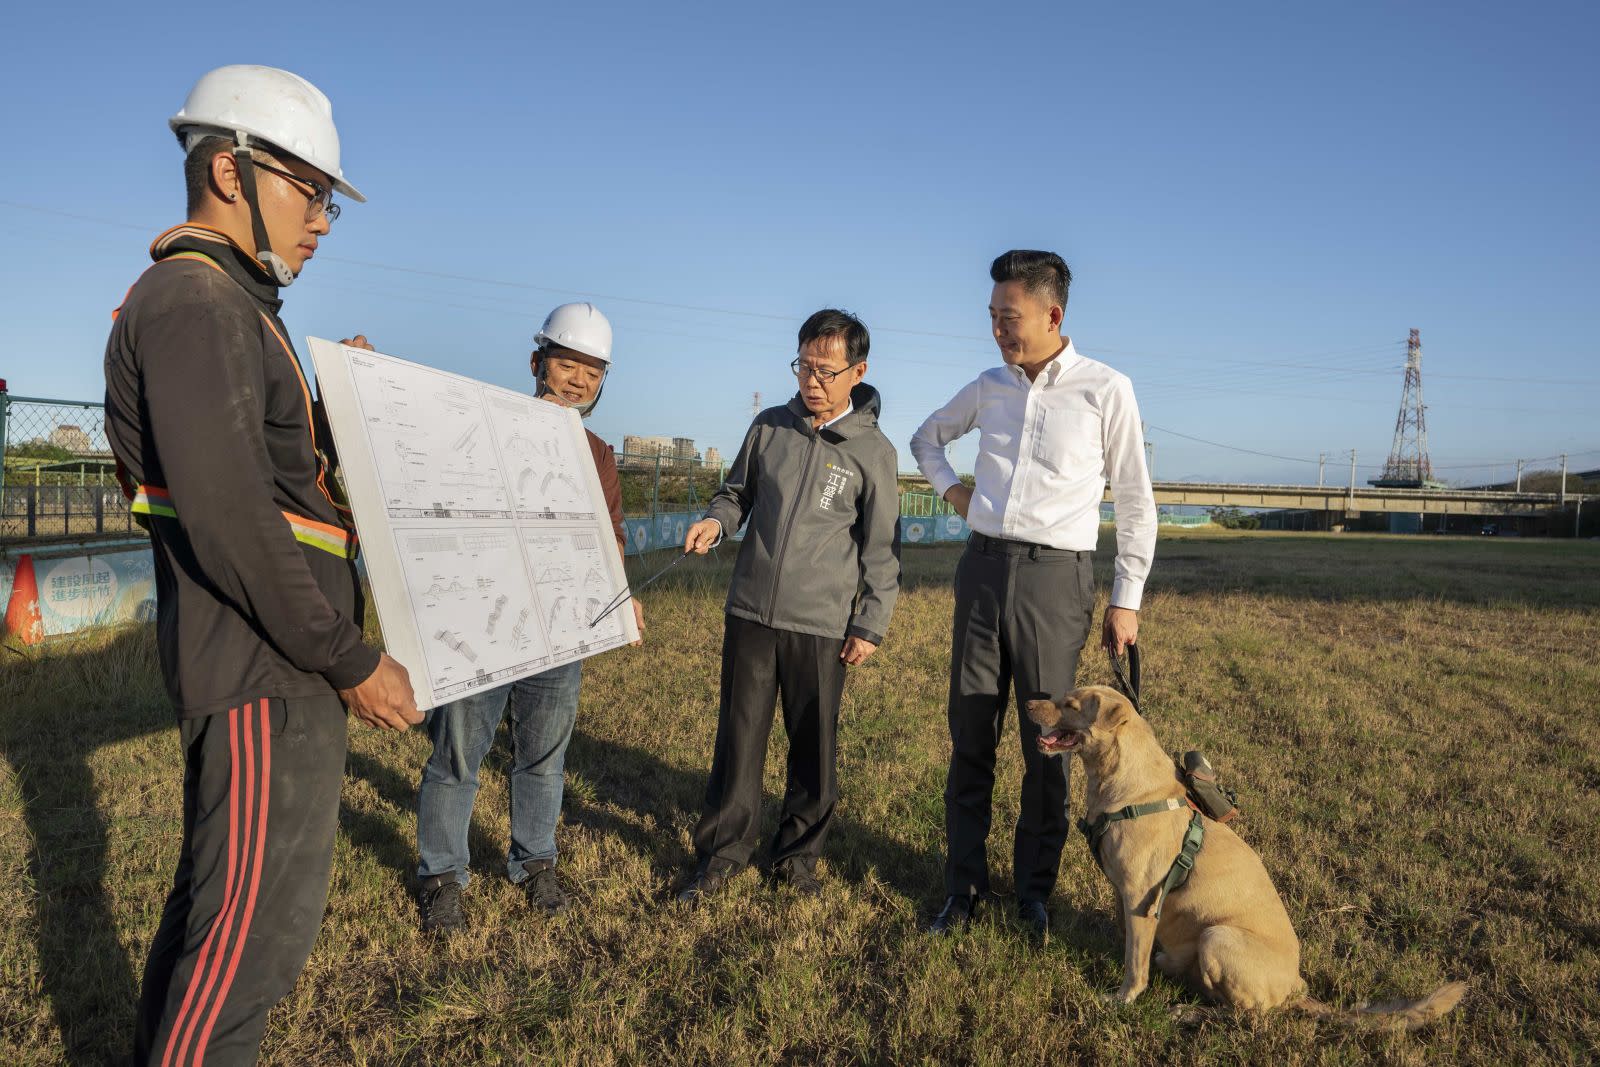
[
  {"x": 481, "y": 519},
  {"x": 546, "y": 478},
  {"x": 572, "y": 587},
  {"x": 430, "y": 440},
  {"x": 472, "y": 604}
]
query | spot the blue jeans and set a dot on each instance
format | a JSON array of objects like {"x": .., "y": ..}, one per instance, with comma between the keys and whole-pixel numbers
[{"x": 543, "y": 709}]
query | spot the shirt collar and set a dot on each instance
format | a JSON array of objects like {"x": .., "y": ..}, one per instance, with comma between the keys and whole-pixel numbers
[
  {"x": 849, "y": 406},
  {"x": 222, "y": 250},
  {"x": 1059, "y": 364}
]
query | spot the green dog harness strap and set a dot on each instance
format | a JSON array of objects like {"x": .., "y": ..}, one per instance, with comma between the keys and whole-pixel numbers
[{"x": 1194, "y": 837}]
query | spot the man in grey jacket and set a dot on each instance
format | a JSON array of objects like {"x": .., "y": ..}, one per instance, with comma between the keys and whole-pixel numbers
[{"x": 812, "y": 591}]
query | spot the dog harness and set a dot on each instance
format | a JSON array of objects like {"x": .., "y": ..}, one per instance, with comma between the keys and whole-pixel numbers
[{"x": 1193, "y": 838}]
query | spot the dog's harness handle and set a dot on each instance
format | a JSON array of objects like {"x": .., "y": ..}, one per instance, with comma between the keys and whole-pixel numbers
[{"x": 1129, "y": 682}]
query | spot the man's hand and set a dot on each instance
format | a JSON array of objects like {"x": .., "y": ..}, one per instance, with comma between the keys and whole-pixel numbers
[
  {"x": 359, "y": 341},
  {"x": 385, "y": 699},
  {"x": 1121, "y": 629},
  {"x": 702, "y": 536},
  {"x": 638, "y": 620},
  {"x": 959, "y": 497},
  {"x": 856, "y": 651}
]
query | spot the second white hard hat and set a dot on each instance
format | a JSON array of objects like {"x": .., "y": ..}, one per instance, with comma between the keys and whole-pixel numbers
[
  {"x": 579, "y": 327},
  {"x": 269, "y": 104}
]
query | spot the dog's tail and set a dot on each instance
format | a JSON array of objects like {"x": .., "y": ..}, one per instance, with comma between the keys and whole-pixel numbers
[{"x": 1389, "y": 1014}]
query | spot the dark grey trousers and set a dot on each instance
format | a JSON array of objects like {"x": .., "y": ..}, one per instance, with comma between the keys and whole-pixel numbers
[
  {"x": 1022, "y": 615},
  {"x": 758, "y": 664},
  {"x": 260, "y": 806}
]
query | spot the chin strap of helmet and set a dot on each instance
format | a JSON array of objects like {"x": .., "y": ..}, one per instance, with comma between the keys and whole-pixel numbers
[
  {"x": 543, "y": 387},
  {"x": 246, "y": 167}
]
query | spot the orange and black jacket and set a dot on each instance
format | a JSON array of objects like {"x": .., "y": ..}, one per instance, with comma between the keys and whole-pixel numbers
[{"x": 210, "y": 417}]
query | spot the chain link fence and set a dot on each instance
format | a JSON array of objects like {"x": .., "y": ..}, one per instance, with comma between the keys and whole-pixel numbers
[
  {"x": 59, "y": 478},
  {"x": 60, "y": 484},
  {"x": 58, "y": 473}
]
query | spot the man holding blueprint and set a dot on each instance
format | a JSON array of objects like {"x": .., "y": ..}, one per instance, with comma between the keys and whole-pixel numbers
[{"x": 570, "y": 366}]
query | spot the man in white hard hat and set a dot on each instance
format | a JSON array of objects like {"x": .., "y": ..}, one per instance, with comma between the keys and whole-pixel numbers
[
  {"x": 259, "y": 607},
  {"x": 569, "y": 365}
]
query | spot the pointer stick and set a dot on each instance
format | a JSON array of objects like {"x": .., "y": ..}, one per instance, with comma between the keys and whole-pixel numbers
[{"x": 622, "y": 597}]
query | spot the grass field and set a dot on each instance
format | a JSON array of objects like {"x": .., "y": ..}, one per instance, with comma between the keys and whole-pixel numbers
[{"x": 1411, "y": 723}]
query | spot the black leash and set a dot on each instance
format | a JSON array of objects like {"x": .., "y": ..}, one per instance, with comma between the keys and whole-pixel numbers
[
  {"x": 1129, "y": 682},
  {"x": 622, "y": 597}
]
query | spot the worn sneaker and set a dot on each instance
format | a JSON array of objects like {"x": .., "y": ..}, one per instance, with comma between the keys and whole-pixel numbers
[
  {"x": 440, "y": 902},
  {"x": 543, "y": 886}
]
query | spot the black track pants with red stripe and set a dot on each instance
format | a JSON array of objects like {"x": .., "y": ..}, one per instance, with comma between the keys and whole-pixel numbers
[{"x": 260, "y": 804}]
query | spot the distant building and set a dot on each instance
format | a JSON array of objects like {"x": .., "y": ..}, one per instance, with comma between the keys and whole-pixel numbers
[
  {"x": 713, "y": 458},
  {"x": 641, "y": 451},
  {"x": 72, "y": 438}
]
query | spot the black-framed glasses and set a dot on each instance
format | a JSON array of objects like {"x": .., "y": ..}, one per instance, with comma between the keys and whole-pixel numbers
[
  {"x": 821, "y": 374},
  {"x": 320, "y": 200}
]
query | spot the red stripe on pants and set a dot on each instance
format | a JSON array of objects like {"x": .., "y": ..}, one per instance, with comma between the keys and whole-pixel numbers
[
  {"x": 265, "y": 726},
  {"x": 196, "y": 977}
]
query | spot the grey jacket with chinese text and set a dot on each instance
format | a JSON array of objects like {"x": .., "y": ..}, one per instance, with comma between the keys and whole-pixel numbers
[{"x": 821, "y": 554}]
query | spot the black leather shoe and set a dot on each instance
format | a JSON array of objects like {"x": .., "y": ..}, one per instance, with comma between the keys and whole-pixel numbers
[
  {"x": 957, "y": 912},
  {"x": 799, "y": 877},
  {"x": 703, "y": 885},
  {"x": 1033, "y": 916}
]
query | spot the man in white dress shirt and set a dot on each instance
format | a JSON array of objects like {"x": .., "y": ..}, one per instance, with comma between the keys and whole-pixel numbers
[{"x": 1054, "y": 427}]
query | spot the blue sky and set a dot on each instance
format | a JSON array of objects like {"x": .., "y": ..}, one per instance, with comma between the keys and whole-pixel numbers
[{"x": 1258, "y": 201}]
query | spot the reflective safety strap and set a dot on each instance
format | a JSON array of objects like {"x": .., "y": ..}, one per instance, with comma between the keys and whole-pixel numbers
[
  {"x": 148, "y": 500},
  {"x": 334, "y": 539},
  {"x": 151, "y": 500}
]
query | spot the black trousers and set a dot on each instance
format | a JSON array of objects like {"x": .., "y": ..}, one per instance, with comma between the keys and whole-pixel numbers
[
  {"x": 1022, "y": 615},
  {"x": 758, "y": 664},
  {"x": 260, "y": 804}
]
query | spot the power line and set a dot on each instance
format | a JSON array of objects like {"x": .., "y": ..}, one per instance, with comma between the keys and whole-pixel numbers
[{"x": 1230, "y": 448}]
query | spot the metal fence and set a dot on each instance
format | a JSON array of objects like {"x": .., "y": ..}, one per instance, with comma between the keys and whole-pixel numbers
[
  {"x": 56, "y": 471},
  {"x": 59, "y": 482}
]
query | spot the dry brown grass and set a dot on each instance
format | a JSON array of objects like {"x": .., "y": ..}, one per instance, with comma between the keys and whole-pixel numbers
[{"x": 1411, "y": 723}]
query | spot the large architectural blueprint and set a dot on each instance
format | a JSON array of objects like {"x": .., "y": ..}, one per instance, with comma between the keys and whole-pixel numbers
[{"x": 481, "y": 519}]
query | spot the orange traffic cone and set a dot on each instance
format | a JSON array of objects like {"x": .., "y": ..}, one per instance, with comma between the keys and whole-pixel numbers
[{"x": 22, "y": 612}]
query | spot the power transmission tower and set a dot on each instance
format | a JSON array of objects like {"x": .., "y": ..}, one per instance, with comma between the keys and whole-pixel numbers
[
  {"x": 1408, "y": 465},
  {"x": 755, "y": 404}
]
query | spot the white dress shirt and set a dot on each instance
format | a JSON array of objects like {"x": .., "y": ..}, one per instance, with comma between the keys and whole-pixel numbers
[{"x": 1045, "y": 451}]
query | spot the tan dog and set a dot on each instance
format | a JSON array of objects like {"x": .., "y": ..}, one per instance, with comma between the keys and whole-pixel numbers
[{"x": 1225, "y": 932}]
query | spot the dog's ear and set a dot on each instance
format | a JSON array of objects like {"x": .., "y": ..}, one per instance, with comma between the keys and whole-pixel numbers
[{"x": 1114, "y": 712}]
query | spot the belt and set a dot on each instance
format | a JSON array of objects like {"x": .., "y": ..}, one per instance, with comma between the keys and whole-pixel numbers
[{"x": 1005, "y": 546}]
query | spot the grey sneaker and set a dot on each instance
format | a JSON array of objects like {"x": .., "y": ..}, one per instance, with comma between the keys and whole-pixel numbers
[
  {"x": 440, "y": 902},
  {"x": 543, "y": 886}
]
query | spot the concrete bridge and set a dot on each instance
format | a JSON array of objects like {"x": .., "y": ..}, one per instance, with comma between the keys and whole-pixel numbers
[{"x": 1351, "y": 500}]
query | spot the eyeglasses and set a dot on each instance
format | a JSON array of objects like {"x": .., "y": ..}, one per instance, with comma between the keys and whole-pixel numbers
[
  {"x": 321, "y": 197},
  {"x": 822, "y": 375}
]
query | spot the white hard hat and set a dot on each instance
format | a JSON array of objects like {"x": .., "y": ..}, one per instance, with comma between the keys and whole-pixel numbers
[
  {"x": 272, "y": 105},
  {"x": 579, "y": 327}
]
